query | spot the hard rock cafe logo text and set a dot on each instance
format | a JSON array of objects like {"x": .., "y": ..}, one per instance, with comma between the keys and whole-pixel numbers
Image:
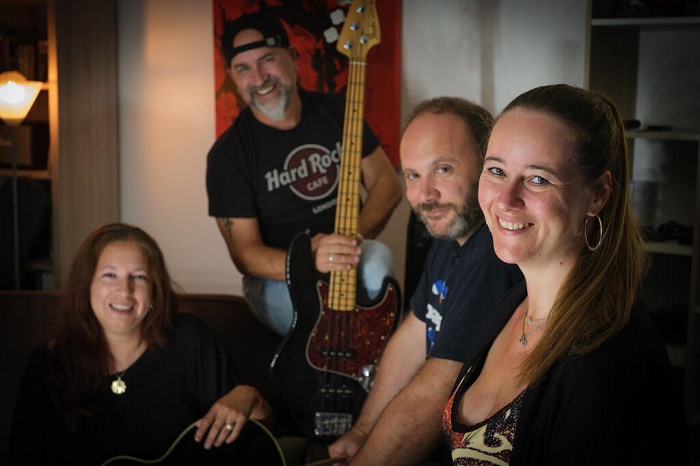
[{"x": 310, "y": 171}]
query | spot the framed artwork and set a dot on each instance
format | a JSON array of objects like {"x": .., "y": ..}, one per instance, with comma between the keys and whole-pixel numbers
[{"x": 313, "y": 28}]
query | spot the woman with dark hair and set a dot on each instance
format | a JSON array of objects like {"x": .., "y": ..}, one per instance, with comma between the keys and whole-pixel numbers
[
  {"x": 126, "y": 373},
  {"x": 570, "y": 370}
]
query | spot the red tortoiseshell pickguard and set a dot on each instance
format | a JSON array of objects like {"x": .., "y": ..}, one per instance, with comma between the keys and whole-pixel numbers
[{"x": 344, "y": 341}]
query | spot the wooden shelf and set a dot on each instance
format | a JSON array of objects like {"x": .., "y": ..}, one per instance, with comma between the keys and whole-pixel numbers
[
  {"x": 668, "y": 247},
  {"x": 27, "y": 173},
  {"x": 21, "y": 2},
  {"x": 642, "y": 23},
  {"x": 647, "y": 65},
  {"x": 671, "y": 135}
]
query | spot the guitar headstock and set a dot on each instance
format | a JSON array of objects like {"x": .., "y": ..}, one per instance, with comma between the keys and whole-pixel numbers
[{"x": 361, "y": 30}]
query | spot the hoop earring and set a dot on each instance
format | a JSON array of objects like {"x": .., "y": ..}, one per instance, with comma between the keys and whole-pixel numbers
[{"x": 596, "y": 246}]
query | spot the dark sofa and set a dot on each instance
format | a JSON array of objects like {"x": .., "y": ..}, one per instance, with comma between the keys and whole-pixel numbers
[{"x": 28, "y": 319}]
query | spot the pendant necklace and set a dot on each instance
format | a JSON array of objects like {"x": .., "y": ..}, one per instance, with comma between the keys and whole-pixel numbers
[
  {"x": 118, "y": 385},
  {"x": 529, "y": 320}
]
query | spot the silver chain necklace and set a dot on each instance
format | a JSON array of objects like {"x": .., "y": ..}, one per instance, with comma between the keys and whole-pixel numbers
[{"x": 529, "y": 320}]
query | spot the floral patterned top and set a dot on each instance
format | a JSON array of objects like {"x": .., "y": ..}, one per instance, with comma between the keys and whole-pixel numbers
[{"x": 489, "y": 442}]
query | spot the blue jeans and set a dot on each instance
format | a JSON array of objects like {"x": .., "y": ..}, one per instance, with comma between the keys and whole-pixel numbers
[{"x": 271, "y": 303}]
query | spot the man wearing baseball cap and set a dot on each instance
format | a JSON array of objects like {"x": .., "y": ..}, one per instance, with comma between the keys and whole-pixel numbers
[{"x": 275, "y": 171}]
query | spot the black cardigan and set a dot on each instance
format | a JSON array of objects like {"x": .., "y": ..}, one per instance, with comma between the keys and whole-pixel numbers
[{"x": 615, "y": 405}]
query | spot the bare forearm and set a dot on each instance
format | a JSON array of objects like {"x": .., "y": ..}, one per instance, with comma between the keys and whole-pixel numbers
[
  {"x": 249, "y": 254},
  {"x": 262, "y": 261},
  {"x": 415, "y": 413},
  {"x": 402, "y": 359},
  {"x": 405, "y": 433},
  {"x": 396, "y": 369}
]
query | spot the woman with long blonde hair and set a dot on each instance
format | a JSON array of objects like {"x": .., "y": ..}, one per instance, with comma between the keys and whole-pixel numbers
[{"x": 571, "y": 369}]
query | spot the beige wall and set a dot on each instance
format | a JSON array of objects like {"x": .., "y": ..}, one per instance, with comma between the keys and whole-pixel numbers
[{"x": 487, "y": 51}]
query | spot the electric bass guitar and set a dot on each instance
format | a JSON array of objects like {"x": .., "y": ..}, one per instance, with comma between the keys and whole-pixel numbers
[{"x": 325, "y": 364}]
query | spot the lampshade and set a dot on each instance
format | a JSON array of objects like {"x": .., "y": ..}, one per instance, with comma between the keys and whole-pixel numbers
[{"x": 16, "y": 97}]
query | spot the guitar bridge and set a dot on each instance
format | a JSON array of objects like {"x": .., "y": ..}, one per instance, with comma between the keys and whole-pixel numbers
[{"x": 331, "y": 424}]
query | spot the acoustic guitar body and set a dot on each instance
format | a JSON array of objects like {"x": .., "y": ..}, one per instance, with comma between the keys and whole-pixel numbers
[{"x": 256, "y": 446}]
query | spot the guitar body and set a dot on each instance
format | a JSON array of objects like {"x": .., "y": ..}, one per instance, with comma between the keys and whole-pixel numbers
[{"x": 325, "y": 364}]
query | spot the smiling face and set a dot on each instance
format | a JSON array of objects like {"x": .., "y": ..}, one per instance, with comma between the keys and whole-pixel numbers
[
  {"x": 441, "y": 167},
  {"x": 265, "y": 76},
  {"x": 532, "y": 194},
  {"x": 121, "y": 289}
]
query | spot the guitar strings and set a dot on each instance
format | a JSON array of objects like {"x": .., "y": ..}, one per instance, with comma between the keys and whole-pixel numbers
[
  {"x": 344, "y": 286},
  {"x": 356, "y": 76}
]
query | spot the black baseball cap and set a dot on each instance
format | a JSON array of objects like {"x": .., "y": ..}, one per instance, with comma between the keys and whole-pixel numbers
[{"x": 272, "y": 30}]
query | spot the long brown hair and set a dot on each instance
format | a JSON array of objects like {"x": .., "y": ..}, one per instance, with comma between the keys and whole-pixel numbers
[
  {"x": 597, "y": 296},
  {"x": 80, "y": 357}
]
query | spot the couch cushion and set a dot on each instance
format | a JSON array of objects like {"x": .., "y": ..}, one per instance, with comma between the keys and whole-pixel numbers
[{"x": 251, "y": 344}]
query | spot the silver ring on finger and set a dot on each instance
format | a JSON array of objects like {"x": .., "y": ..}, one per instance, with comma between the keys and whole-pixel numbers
[
  {"x": 330, "y": 258},
  {"x": 228, "y": 426}
]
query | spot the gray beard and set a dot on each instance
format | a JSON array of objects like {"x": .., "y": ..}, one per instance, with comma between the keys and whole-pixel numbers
[
  {"x": 276, "y": 112},
  {"x": 468, "y": 218}
]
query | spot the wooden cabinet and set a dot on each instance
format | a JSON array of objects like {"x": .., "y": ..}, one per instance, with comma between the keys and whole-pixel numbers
[
  {"x": 650, "y": 66},
  {"x": 80, "y": 105}
]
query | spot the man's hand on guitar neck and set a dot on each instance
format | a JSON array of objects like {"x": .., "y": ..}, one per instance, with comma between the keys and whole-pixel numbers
[{"x": 335, "y": 252}]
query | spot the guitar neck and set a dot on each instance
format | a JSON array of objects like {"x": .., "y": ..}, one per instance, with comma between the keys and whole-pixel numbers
[
  {"x": 360, "y": 33},
  {"x": 348, "y": 210},
  {"x": 343, "y": 284}
]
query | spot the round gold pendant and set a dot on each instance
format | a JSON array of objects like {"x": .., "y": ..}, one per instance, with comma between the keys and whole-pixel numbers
[{"x": 118, "y": 387}]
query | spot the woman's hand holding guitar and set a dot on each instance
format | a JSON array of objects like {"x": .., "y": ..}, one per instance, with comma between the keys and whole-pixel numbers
[{"x": 227, "y": 417}]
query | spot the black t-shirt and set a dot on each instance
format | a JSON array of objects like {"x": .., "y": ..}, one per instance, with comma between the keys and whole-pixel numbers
[
  {"x": 166, "y": 391},
  {"x": 287, "y": 179},
  {"x": 457, "y": 292}
]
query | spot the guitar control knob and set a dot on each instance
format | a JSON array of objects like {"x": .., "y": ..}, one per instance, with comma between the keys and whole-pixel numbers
[{"x": 366, "y": 377}]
